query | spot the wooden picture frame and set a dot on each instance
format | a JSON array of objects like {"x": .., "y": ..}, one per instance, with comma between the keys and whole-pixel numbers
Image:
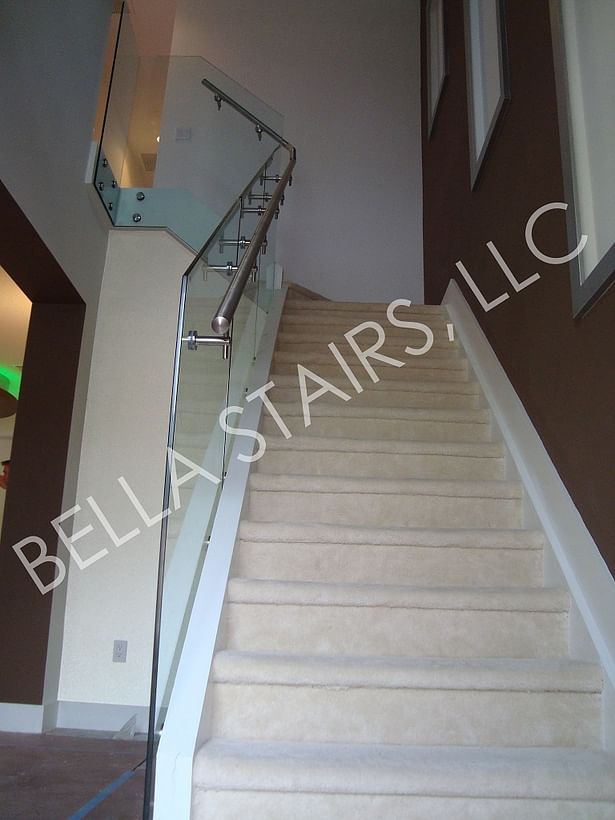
[
  {"x": 437, "y": 58},
  {"x": 585, "y": 79},
  {"x": 488, "y": 75}
]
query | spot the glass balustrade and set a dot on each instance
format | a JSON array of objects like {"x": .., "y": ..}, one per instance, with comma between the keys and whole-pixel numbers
[
  {"x": 187, "y": 149},
  {"x": 170, "y": 155}
]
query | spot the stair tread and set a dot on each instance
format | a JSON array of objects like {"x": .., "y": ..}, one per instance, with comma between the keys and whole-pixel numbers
[
  {"x": 321, "y": 305},
  {"x": 406, "y": 372},
  {"x": 545, "y": 773},
  {"x": 319, "y": 593},
  {"x": 376, "y": 413},
  {"x": 455, "y": 488},
  {"x": 326, "y": 533},
  {"x": 337, "y": 444},
  {"x": 304, "y": 334},
  {"x": 457, "y": 387},
  {"x": 316, "y": 358},
  {"x": 504, "y": 674}
]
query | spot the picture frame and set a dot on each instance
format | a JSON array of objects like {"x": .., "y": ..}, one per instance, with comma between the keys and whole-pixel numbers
[
  {"x": 488, "y": 76},
  {"x": 584, "y": 82},
  {"x": 437, "y": 58}
]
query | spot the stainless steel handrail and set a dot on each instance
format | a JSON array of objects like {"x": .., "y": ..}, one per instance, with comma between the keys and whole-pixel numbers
[{"x": 221, "y": 97}]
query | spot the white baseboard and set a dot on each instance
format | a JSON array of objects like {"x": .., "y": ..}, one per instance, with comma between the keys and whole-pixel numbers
[
  {"x": 66, "y": 714},
  {"x": 588, "y": 578},
  {"x": 107, "y": 717},
  {"x": 21, "y": 717}
]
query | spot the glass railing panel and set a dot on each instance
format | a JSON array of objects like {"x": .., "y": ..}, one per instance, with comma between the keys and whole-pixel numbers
[
  {"x": 175, "y": 209},
  {"x": 170, "y": 156},
  {"x": 199, "y": 448},
  {"x": 207, "y": 150},
  {"x": 269, "y": 274},
  {"x": 114, "y": 148}
]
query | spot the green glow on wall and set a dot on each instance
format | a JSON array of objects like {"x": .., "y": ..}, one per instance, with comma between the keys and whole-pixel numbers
[{"x": 10, "y": 379}]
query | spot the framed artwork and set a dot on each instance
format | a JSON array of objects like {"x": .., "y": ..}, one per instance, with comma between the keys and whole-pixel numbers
[
  {"x": 488, "y": 76},
  {"x": 583, "y": 38},
  {"x": 437, "y": 68}
]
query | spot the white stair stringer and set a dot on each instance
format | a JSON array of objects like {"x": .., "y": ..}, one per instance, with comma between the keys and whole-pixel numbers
[{"x": 387, "y": 646}]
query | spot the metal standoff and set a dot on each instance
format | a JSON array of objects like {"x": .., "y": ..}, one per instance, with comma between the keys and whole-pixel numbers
[
  {"x": 229, "y": 269},
  {"x": 194, "y": 340},
  {"x": 259, "y": 132},
  {"x": 218, "y": 100},
  {"x": 261, "y": 197},
  {"x": 242, "y": 243}
]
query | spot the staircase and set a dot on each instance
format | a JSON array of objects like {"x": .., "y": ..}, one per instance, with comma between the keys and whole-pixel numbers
[{"x": 388, "y": 649}]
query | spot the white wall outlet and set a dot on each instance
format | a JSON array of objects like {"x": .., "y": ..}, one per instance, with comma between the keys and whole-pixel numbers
[
  {"x": 120, "y": 651},
  {"x": 183, "y": 134}
]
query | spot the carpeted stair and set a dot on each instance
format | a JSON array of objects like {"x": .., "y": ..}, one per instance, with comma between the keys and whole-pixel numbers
[{"x": 388, "y": 649}]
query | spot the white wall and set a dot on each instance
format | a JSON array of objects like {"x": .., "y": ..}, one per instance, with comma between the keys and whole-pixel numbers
[
  {"x": 124, "y": 435},
  {"x": 346, "y": 78}
]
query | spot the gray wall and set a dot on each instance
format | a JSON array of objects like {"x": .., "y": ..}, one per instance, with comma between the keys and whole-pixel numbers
[
  {"x": 52, "y": 60},
  {"x": 52, "y": 56},
  {"x": 346, "y": 78}
]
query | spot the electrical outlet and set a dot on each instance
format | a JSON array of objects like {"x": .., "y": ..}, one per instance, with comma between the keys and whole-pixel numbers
[
  {"x": 120, "y": 650},
  {"x": 183, "y": 134}
]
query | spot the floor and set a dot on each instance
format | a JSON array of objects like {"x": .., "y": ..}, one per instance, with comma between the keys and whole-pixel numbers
[{"x": 54, "y": 776}]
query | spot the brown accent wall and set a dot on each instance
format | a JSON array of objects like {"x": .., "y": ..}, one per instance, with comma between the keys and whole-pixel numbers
[
  {"x": 563, "y": 369},
  {"x": 40, "y": 448}
]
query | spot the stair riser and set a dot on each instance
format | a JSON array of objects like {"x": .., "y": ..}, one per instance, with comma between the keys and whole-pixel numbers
[
  {"x": 406, "y": 373},
  {"x": 388, "y": 631},
  {"x": 392, "y": 398},
  {"x": 314, "y": 362},
  {"x": 385, "y": 510},
  {"x": 379, "y": 564},
  {"x": 239, "y": 805},
  {"x": 324, "y": 335},
  {"x": 413, "y": 716},
  {"x": 383, "y": 428},
  {"x": 302, "y": 351},
  {"x": 367, "y": 309},
  {"x": 381, "y": 465},
  {"x": 309, "y": 301},
  {"x": 343, "y": 323}
]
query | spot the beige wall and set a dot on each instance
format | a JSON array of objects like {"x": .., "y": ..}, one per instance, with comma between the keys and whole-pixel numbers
[{"x": 124, "y": 435}]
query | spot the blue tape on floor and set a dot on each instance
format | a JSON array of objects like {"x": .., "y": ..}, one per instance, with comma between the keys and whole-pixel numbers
[{"x": 102, "y": 795}]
